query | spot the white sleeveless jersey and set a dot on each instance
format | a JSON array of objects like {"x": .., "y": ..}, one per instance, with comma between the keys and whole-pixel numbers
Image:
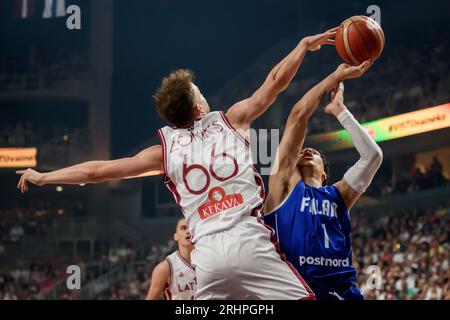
[
  {"x": 183, "y": 283},
  {"x": 210, "y": 173}
]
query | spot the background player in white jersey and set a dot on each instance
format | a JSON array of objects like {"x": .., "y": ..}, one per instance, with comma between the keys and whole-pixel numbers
[
  {"x": 175, "y": 277},
  {"x": 234, "y": 256}
]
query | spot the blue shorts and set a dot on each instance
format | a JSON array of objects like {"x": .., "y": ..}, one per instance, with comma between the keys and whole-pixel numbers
[{"x": 347, "y": 292}]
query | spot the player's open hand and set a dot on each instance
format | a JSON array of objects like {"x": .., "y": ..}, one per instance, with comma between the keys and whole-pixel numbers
[
  {"x": 28, "y": 175},
  {"x": 314, "y": 43},
  {"x": 346, "y": 71},
  {"x": 336, "y": 105}
]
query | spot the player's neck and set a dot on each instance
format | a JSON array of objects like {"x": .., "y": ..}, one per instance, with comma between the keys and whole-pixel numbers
[
  {"x": 310, "y": 179},
  {"x": 191, "y": 123},
  {"x": 185, "y": 252},
  {"x": 313, "y": 181}
]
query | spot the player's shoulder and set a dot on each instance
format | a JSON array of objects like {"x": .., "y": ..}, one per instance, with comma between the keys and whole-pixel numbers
[
  {"x": 332, "y": 192},
  {"x": 172, "y": 256},
  {"x": 329, "y": 190},
  {"x": 162, "y": 269}
]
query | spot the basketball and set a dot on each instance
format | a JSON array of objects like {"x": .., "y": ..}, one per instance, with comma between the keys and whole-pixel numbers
[{"x": 358, "y": 39}]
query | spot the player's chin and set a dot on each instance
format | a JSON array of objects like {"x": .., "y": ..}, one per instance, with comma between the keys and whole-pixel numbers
[
  {"x": 187, "y": 242},
  {"x": 306, "y": 162}
]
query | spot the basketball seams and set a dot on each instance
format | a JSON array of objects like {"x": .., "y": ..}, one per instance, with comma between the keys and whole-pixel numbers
[
  {"x": 348, "y": 50},
  {"x": 374, "y": 27}
]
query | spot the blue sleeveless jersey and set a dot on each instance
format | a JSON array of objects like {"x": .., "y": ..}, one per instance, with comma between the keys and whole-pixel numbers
[{"x": 313, "y": 230}]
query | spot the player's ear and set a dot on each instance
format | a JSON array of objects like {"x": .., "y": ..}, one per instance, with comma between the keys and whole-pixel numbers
[
  {"x": 199, "y": 109},
  {"x": 175, "y": 237},
  {"x": 324, "y": 177}
]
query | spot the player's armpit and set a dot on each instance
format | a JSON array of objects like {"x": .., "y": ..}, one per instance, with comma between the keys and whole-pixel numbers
[
  {"x": 286, "y": 160},
  {"x": 159, "y": 281},
  {"x": 348, "y": 194}
]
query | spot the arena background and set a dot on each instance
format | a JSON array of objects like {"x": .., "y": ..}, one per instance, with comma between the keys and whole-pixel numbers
[{"x": 68, "y": 96}]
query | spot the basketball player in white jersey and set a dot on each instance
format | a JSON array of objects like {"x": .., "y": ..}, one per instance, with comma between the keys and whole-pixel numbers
[
  {"x": 175, "y": 277},
  {"x": 208, "y": 169}
]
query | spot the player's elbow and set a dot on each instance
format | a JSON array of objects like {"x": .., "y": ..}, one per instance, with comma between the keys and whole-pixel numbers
[
  {"x": 279, "y": 81},
  {"x": 298, "y": 114},
  {"x": 93, "y": 173},
  {"x": 376, "y": 156}
]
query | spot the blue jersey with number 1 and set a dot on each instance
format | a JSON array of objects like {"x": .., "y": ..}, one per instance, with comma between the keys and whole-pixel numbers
[{"x": 313, "y": 230}]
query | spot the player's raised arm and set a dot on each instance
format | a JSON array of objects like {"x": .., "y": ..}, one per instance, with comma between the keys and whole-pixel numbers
[
  {"x": 358, "y": 178},
  {"x": 159, "y": 281},
  {"x": 96, "y": 171},
  {"x": 295, "y": 131},
  {"x": 243, "y": 113}
]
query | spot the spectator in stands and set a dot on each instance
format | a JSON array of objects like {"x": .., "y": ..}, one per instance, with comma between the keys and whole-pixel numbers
[{"x": 15, "y": 234}]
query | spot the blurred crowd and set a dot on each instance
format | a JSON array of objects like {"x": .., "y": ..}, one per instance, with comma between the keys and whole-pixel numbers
[
  {"x": 411, "y": 251},
  {"x": 420, "y": 179},
  {"x": 28, "y": 134},
  {"x": 138, "y": 283},
  {"x": 34, "y": 278},
  {"x": 35, "y": 219}
]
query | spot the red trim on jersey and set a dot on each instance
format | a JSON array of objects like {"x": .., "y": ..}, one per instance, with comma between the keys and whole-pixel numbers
[
  {"x": 164, "y": 146},
  {"x": 173, "y": 189},
  {"x": 184, "y": 260},
  {"x": 257, "y": 211},
  {"x": 259, "y": 181},
  {"x": 167, "y": 293},
  {"x": 167, "y": 181},
  {"x": 229, "y": 125},
  {"x": 274, "y": 241}
]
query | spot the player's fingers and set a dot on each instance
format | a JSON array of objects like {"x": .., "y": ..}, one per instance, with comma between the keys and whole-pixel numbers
[
  {"x": 366, "y": 65},
  {"x": 18, "y": 184},
  {"x": 330, "y": 41},
  {"x": 22, "y": 179},
  {"x": 20, "y": 171},
  {"x": 332, "y": 30}
]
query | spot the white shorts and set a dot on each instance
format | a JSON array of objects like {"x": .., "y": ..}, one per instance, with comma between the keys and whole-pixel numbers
[{"x": 244, "y": 262}]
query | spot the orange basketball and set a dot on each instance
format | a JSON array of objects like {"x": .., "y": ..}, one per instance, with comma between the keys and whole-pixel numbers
[{"x": 358, "y": 39}]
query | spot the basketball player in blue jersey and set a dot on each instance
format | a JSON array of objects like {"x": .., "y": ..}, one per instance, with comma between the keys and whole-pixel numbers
[{"x": 312, "y": 220}]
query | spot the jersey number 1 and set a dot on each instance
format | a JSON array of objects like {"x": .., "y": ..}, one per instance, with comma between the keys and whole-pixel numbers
[{"x": 326, "y": 240}]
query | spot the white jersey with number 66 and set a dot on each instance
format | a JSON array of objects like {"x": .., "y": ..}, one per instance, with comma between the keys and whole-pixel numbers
[{"x": 210, "y": 173}]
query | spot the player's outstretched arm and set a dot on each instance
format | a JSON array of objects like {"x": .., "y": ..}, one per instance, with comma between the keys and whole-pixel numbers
[
  {"x": 295, "y": 132},
  {"x": 243, "y": 113},
  {"x": 96, "y": 171},
  {"x": 159, "y": 281},
  {"x": 358, "y": 178}
]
